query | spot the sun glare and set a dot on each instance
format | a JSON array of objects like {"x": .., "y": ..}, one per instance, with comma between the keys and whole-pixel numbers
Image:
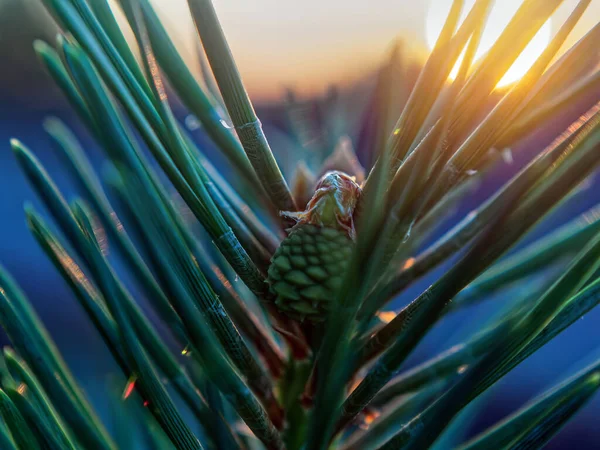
[{"x": 501, "y": 13}]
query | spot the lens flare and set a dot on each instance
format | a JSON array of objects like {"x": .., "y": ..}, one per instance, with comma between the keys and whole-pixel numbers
[{"x": 499, "y": 16}]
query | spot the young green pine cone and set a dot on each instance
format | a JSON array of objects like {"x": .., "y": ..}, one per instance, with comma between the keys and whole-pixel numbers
[{"x": 308, "y": 267}]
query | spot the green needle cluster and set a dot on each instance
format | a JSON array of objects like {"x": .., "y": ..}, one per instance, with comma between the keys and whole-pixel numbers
[{"x": 240, "y": 318}]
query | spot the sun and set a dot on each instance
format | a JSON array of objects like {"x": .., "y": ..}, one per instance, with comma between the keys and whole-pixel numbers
[{"x": 501, "y": 13}]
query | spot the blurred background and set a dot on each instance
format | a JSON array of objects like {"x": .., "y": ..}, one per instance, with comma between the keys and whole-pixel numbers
[{"x": 318, "y": 56}]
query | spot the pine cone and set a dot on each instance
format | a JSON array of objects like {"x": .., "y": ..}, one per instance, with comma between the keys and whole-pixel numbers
[{"x": 308, "y": 267}]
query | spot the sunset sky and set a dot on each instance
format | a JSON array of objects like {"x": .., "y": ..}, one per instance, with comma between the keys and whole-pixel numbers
[{"x": 308, "y": 45}]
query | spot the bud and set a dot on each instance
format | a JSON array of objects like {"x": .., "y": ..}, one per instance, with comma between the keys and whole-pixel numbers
[{"x": 309, "y": 265}]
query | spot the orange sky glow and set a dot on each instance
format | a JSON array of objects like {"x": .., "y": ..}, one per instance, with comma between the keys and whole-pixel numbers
[{"x": 309, "y": 46}]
